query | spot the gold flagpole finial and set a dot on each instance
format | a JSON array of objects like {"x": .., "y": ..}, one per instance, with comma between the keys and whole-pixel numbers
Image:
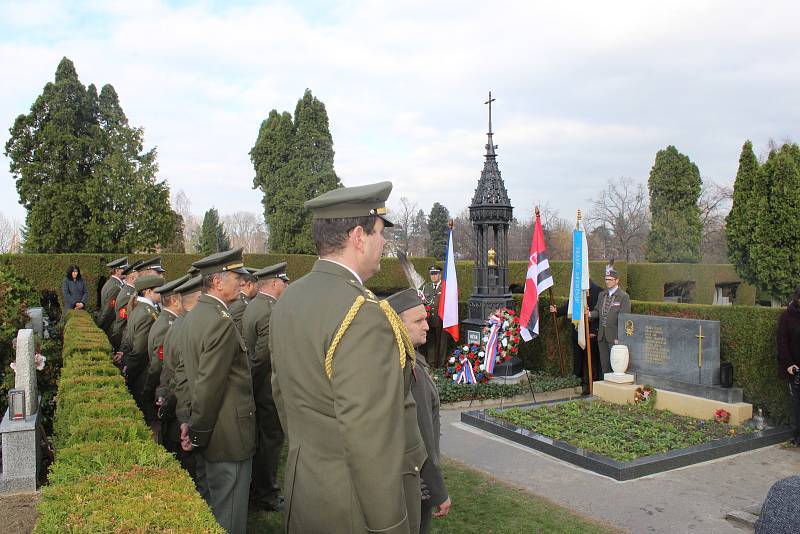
[{"x": 578, "y": 221}]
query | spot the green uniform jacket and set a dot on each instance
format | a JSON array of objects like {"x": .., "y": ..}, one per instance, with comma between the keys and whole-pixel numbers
[
  {"x": 108, "y": 302},
  {"x": 427, "y": 397},
  {"x": 236, "y": 309},
  {"x": 121, "y": 315},
  {"x": 213, "y": 377},
  {"x": 136, "y": 355},
  {"x": 255, "y": 325},
  {"x": 166, "y": 385},
  {"x": 608, "y": 310},
  {"x": 347, "y": 456},
  {"x": 155, "y": 346},
  {"x": 432, "y": 294}
]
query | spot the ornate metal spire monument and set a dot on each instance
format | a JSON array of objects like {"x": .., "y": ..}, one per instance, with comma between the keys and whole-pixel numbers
[{"x": 490, "y": 213}]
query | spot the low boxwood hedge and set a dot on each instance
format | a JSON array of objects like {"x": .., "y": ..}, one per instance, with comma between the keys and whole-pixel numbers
[{"x": 109, "y": 475}]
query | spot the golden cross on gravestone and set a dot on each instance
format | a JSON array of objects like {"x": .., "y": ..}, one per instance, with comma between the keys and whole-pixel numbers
[{"x": 700, "y": 338}]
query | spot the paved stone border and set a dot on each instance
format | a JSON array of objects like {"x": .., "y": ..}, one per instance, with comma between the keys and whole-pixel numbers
[
  {"x": 615, "y": 469},
  {"x": 541, "y": 396}
]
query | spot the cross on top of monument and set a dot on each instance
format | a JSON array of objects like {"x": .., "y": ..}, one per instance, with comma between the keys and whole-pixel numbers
[{"x": 490, "y": 146}]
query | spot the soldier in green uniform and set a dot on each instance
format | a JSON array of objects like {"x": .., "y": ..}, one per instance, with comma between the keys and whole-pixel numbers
[
  {"x": 126, "y": 296},
  {"x": 213, "y": 377},
  {"x": 121, "y": 308},
  {"x": 135, "y": 354},
  {"x": 171, "y": 309},
  {"x": 436, "y": 502},
  {"x": 264, "y": 489},
  {"x": 166, "y": 401},
  {"x": 338, "y": 359},
  {"x": 247, "y": 292},
  {"x": 109, "y": 292},
  {"x": 435, "y": 346}
]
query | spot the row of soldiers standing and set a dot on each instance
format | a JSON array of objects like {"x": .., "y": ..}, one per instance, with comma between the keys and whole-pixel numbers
[
  {"x": 196, "y": 353},
  {"x": 325, "y": 361}
]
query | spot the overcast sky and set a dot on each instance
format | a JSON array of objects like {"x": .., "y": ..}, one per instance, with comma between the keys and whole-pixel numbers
[{"x": 586, "y": 91}]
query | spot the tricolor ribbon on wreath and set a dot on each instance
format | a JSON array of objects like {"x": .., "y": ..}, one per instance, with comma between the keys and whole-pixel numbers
[
  {"x": 466, "y": 375},
  {"x": 495, "y": 323}
]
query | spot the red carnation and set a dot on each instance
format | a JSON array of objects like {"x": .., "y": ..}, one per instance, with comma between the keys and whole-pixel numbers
[
  {"x": 513, "y": 349},
  {"x": 516, "y": 339}
]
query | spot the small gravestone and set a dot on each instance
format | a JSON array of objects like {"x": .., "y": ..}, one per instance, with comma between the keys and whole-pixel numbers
[
  {"x": 676, "y": 354},
  {"x": 36, "y": 321},
  {"x": 20, "y": 438}
]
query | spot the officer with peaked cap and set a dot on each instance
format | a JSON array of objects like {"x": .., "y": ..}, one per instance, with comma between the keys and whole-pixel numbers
[
  {"x": 135, "y": 357},
  {"x": 147, "y": 267},
  {"x": 109, "y": 292},
  {"x": 215, "y": 374},
  {"x": 171, "y": 309},
  {"x": 247, "y": 292},
  {"x": 435, "y": 346},
  {"x": 264, "y": 489},
  {"x": 121, "y": 308},
  {"x": 337, "y": 380},
  {"x": 412, "y": 312},
  {"x": 166, "y": 394}
]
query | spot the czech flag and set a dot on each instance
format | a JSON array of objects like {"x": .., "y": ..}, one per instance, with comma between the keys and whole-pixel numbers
[{"x": 448, "y": 303}]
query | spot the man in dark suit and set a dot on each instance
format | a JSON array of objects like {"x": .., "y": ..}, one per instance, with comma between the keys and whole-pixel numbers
[{"x": 612, "y": 301}]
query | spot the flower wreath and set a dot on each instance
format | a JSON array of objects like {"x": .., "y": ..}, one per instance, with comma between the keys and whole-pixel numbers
[
  {"x": 644, "y": 395},
  {"x": 463, "y": 355},
  {"x": 501, "y": 337},
  {"x": 722, "y": 415}
]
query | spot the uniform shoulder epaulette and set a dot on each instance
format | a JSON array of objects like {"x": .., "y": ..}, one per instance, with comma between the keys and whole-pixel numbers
[{"x": 223, "y": 312}]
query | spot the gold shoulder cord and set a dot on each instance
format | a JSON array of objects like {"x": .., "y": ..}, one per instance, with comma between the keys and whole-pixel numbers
[
  {"x": 404, "y": 344},
  {"x": 340, "y": 333}
]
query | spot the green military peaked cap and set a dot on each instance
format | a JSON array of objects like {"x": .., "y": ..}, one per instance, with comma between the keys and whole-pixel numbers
[
  {"x": 273, "y": 271},
  {"x": 148, "y": 282},
  {"x": 132, "y": 267},
  {"x": 405, "y": 300},
  {"x": 152, "y": 263},
  {"x": 359, "y": 201},
  {"x": 227, "y": 261},
  {"x": 434, "y": 270},
  {"x": 169, "y": 287},
  {"x": 190, "y": 286},
  {"x": 119, "y": 263}
]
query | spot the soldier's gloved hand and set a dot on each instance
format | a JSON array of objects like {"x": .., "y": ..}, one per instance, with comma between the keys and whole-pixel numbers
[{"x": 423, "y": 487}]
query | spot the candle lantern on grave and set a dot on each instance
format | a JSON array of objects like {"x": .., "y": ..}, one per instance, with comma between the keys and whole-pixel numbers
[{"x": 490, "y": 214}]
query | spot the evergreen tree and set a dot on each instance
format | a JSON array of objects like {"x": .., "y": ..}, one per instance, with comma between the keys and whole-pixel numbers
[
  {"x": 676, "y": 229},
  {"x": 293, "y": 160},
  {"x": 82, "y": 176},
  {"x": 741, "y": 221},
  {"x": 774, "y": 254},
  {"x": 438, "y": 231},
  {"x": 212, "y": 235}
]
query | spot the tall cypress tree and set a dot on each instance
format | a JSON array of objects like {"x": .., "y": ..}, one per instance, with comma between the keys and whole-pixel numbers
[
  {"x": 741, "y": 221},
  {"x": 774, "y": 254},
  {"x": 438, "y": 231},
  {"x": 213, "y": 238},
  {"x": 293, "y": 160},
  {"x": 676, "y": 229},
  {"x": 82, "y": 175}
]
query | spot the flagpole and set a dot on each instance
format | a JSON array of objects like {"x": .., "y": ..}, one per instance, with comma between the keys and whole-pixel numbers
[
  {"x": 588, "y": 342},
  {"x": 555, "y": 321}
]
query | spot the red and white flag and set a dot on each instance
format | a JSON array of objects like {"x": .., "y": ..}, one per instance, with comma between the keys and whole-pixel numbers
[
  {"x": 538, "y": 279},
  {"x": 448, "y": 303}
]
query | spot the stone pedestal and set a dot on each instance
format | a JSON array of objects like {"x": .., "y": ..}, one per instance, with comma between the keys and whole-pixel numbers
[
  {"x": 618, "y": 378},
  {"x": 21, "y": 454}
]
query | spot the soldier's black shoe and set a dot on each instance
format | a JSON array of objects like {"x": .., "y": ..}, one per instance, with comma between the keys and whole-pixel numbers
[{"x": 269, "y": 505}]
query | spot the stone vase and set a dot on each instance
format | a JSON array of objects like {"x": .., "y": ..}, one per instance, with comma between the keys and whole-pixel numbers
[{"x": 619, "y": 359}]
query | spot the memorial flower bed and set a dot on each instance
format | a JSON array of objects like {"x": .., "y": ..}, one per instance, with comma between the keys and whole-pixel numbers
[
  {"x": 621, "y": 432},
  {"x": 450, "y": 391}
]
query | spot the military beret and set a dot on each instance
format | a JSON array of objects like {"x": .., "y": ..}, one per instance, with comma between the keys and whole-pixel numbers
[
  {"x": 405, "y": 300},
  {"x": 132, "y": 267},
  {"x": 169, "y": 287},
  {"x": 273, "y": 271},
  {"x": 152, "y": 263},
  {"x": 434, "y": 270},
  {"x": 119, "y": 263},
  {"x": 227, "y": 261},
  {"x": 359, "y": 201},
  {"x": 148, "y": 282},
  {"x": 190, "y": 286}
]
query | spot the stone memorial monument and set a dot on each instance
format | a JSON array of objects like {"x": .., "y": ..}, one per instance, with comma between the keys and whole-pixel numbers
[
  {"x": 680, "y": 355},
  {"x": 20, "y": 438},
  {"x": 490, "y": 213}
]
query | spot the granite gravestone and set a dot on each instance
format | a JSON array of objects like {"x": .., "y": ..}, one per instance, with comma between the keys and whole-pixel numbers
[{"x": 675, "y": 354}]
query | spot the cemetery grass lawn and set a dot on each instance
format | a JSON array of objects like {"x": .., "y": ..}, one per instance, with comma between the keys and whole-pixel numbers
[
  {"x": 481, "y": 505},
  {"x": 620, "y": 432}
]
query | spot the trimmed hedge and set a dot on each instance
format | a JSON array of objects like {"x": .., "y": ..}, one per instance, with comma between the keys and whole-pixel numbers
[
  {"x": 109, "y": 475},
  {"x": 646, "y": 281}
]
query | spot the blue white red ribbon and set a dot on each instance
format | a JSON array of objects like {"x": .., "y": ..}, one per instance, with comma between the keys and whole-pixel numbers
[
  {"x": 466, "y": 375},
  {"x": 495, "y": 323}
]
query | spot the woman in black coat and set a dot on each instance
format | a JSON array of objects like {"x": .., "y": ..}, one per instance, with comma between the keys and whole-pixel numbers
[
  {"x": 74, "y": 290},
  {"x": 789, "y": 356}
]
